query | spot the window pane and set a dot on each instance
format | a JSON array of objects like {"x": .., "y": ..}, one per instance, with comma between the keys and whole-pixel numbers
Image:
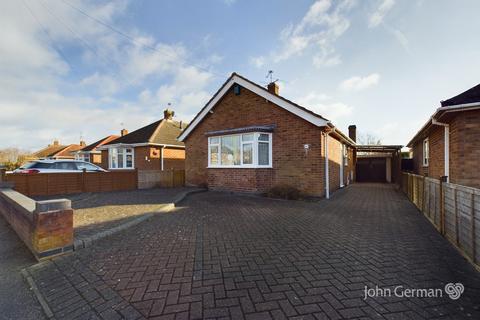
[
  {"x": 128, "y": 150},
  {"x": 214, "y": 140},
  {"x": 214, "y": 155},
  {"x": 263, "y": 154},
  {"x": 247, "y": 137},
  {"x": 86, "y": 166},
  {"x": 230, "y": 150},
  {"x": 263, "y": 137},
  {"x": 129, "y": 161},
  {"x": 120, "y": 159},
  {"x": 247, "y": 153},
  {"x": 114, "y": 157}
]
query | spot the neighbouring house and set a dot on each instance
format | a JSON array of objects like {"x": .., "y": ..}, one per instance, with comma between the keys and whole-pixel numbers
[
  {"x": 92, "y": 154},
  {"x": 57, "y": 151},
  {"x": 249, "y": 139},
  {"x": 151, "y": 149},
  {"x": 448, "y": 145}
]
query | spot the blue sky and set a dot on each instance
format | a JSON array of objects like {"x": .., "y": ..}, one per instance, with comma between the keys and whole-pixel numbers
[{"x": 383, "y": 65}]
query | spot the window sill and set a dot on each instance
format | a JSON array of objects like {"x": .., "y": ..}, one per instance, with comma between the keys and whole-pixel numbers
[
  {"x": 121, "y": 168},
  {"x": 239, "y": 167}
]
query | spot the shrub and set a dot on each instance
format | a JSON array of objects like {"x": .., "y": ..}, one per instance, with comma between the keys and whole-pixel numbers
[
  {"x": 284, "y": 192},
  {"x": 10, "y": 166}
]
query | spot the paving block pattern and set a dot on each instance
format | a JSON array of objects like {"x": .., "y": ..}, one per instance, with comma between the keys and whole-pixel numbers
[{"x": 223, "y": 256}]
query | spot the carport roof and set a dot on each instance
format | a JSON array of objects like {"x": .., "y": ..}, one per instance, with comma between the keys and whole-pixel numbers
[{"x": 378, "y": 148}]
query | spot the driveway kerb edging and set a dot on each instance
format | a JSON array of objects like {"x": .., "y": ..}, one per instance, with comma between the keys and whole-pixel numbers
[{"x": 43, "y": 303}]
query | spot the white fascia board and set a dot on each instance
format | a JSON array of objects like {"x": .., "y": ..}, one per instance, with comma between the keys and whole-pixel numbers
[{"x": 319, "y": 122}]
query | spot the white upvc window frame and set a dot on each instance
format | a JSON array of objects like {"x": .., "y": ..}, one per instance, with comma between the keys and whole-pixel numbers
[
  {"x": 255, "y": 143},
  {"x": 82, "y": 157},
  {"x": 425, "y": 152},
  {"x": 124, "y": 154},
  {"x": 345, "y": 155}
]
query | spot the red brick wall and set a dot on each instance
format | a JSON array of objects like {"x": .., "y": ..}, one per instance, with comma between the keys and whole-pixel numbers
[
  {"x": 334, "y": 161},
  {"x": 96, "y": 158},
  {"x": 46, "y": 233},
  {"x": 173, "y": 159},
  {"x": 436, "y": 163},
  {"x": 149, "y": 158},
  {"x": 104, "y": 163},
  {"x": 464, "y": 150},
  {"x": 292, "y": 165}
]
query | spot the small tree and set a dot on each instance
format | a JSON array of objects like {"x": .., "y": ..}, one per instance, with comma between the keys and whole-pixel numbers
[{"x": 368, "y": 139}]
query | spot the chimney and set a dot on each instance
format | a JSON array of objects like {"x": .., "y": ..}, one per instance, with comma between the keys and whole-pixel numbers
[
  {"x": 82, "y": 143},
  {"x": 56, "y": 142},
  {"x": 352, "y": 132},
  {"x": 123, "y": 132},
  {"x": 273, "y": 88},
  {"x": 168, "y": 114}
]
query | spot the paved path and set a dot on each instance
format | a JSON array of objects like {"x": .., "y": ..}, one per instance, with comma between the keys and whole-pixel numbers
[
  {"x": 16, "y": 299},
  {"x": 224, "y": 256}
]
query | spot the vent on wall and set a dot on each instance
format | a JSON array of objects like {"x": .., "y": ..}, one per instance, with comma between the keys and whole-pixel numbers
[{"x": 236, "y": 89}]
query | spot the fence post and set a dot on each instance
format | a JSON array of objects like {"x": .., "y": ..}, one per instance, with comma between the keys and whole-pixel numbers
[
  {"x": 423, "y": 195},
  {"x": 474, "y": 243},
  {"x": 136, "y": 178},
  {"x": 442, "y": 205},
  {"x": 457, "y": 236},
  {"x": 84, "y": 177},
  {"x": 3, "y": 173},
  {"x": 27, "y": 183}
]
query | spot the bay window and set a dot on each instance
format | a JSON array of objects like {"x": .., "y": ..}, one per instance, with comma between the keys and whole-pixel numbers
[
  {"x": 249, "y": 150},
  {"x": 120, "y": 158}
]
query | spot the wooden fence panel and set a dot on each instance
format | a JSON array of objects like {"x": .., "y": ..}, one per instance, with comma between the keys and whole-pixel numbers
[
  {"x": 449, "y": 213},
  {"x": 44, "y": 184},
  {"x": 453, "y": 209}
]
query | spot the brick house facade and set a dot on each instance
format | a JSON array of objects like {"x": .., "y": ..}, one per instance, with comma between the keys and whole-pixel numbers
[
  {"x": 457, "y": 121},
  {"x": 150, "y": 150},
  {"x": 91, "y": 153},
  {"x": 296, "y": 140}
]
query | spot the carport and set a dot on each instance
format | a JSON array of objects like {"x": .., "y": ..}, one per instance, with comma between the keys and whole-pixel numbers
[{"x": 378, "y": 163}]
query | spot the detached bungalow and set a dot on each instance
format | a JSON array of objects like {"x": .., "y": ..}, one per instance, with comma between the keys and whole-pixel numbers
[
  {"x": 449, "y": 143},
  {"x": 249, "y": 139},
  {"x": 151, "y": 149},
  {"x": 91, "y": 153},
  {"x": 56, "y": 151}
]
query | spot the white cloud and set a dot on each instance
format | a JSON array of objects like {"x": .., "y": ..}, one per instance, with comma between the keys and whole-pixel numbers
[
  {"x": 319, "y": 28},
  {"x": 376, "y": 18},
  {"x": 401, "y": 38},
  {"x": 324, "y": 106},
  {"x": 258, "y": 61},
  {"x": 360, "y": 83},
  {"x": 43, "y": 96}
]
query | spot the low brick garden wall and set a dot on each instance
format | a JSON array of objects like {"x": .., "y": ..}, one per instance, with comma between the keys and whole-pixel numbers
[{"x": 46, "y": 227}]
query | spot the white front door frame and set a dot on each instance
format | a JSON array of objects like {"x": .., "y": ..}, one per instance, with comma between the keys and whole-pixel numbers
[{"x": 342, "y": 161}]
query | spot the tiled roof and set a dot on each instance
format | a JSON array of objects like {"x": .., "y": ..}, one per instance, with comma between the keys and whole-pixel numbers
[
  {"x": 160, "y": 132},
  {"x": 472, "y": 95},
  {"x": 61, "y": 151},
  {"x": 101, "y": 142},
  {"x": 48, "y": 151}
]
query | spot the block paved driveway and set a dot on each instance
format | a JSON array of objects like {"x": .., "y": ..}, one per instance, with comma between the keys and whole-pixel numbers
[{"x": 229, "y": 256}]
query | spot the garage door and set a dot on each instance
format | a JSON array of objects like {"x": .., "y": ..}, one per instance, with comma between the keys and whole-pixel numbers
[{"x": 371, "y": 170}]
